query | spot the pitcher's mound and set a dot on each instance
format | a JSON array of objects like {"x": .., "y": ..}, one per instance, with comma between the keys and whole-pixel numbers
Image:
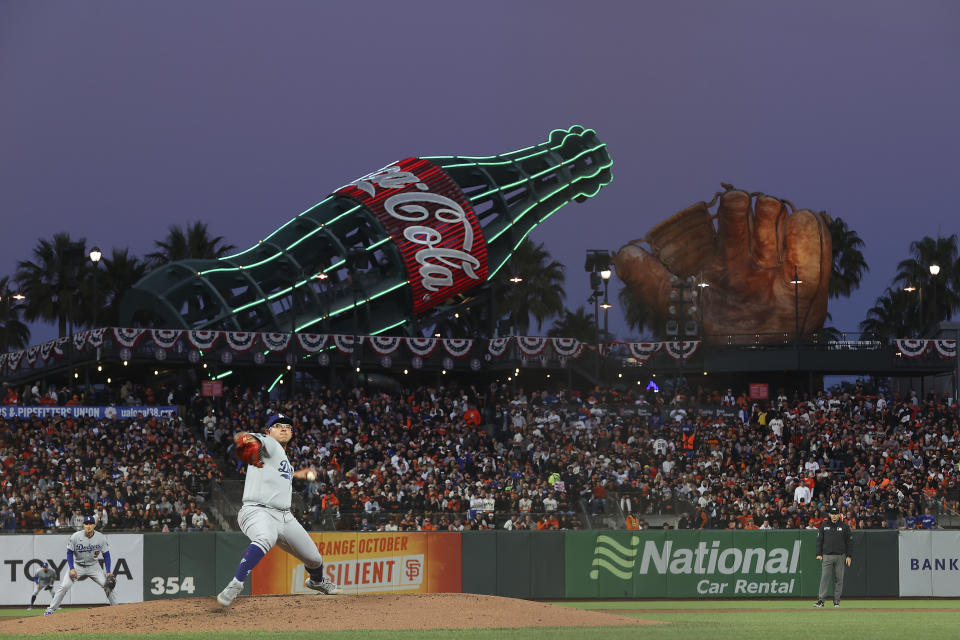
[{"x": 318, "y": 613}]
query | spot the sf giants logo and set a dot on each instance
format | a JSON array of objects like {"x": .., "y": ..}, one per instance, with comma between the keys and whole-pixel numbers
[{"x": 412, "y": 569}]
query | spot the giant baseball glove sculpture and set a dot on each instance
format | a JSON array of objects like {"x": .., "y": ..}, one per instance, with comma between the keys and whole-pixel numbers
[{"x": 748, "y": 261}]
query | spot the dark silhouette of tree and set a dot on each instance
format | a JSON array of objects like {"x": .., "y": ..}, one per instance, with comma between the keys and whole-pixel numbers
[{"x": 191, "y": 242}]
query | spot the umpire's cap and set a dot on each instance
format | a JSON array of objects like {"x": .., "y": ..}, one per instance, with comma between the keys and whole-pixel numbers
[
  {"x": 89, "y": 520},
  {"x": 834, "y": 509},
  {"x": 279, "y": 418}
]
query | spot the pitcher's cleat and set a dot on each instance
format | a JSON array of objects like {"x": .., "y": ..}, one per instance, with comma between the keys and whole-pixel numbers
[
  {"x": 323, "y": 586},
  {"x": 231, "y": 591}
]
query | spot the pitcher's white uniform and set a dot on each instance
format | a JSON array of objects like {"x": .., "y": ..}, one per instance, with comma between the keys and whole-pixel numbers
[
  {"x": 86, "y": 554},
  {"x": 265, "y": 516}
]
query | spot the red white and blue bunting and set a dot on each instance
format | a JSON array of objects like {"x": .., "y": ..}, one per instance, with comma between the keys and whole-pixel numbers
[
  {"x": 241, "y": 341},
  {"x": 80, "y": 340},
  {"x": 681, "y": 350},
  {"x": 128, "y": 337},
  {"x": 384, "y": 345},
  {"x": 203, "y": 339},
  {"x": 421, "y": 347},
  {"x": 312, "y": 342},
  {"x": 946, "y": 348},
  {"x": 60, "y": 343},
  {"x": 912, "y": 348},
  {"x": 531, "y": 347},
  {"x": 457, "y": 347},
  {"x": 345, "y": 343},
  {"x": 165, "y": 338},
  {"x": 567, "y": 347},
  {"x": 496, "y": 347},
  {"x": 643, "y": 351}
]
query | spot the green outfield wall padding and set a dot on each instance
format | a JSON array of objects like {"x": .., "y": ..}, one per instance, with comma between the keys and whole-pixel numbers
[
  {"x": 479, "y": 562},
  {"x": 880, "y": 563},
  {"x": 546, "y": 563},
  {"x": 514, "y": 567},
  {"x": 161, "y": 561},
  {"x": 229, "y": 550},
  {"x": 198, "y": 565}
]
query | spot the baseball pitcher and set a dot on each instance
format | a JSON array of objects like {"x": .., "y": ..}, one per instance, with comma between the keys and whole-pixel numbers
[
  {"x": 44, "y": 579},
  {"x": 84, "y": 551},
  {"x": 265, "y": 516}
]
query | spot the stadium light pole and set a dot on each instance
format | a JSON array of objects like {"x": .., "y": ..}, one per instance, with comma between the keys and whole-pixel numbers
[
  {"x": 6, "y": 296},
  {"x": 796, "y": 282},
  {"x": 934, "y": 272},
  {"x": 95, "y": 255}
]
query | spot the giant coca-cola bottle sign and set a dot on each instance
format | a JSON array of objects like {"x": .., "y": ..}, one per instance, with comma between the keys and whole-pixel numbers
[{"x": 432, "y": 223}]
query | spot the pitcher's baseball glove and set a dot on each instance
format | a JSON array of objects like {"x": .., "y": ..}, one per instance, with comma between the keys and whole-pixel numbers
[
  {"x": 248, "y": 449},
  {"x": 110, "y": 583}
]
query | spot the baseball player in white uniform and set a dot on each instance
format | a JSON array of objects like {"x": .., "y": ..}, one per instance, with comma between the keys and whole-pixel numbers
[
  {"x": 43, "y": 579},
  {"x": 265, "y": 516},
  {"x": 84, "y": 552}
]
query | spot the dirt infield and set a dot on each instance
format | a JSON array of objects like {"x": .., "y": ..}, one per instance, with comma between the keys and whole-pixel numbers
[{"x": 314, "y": 612}]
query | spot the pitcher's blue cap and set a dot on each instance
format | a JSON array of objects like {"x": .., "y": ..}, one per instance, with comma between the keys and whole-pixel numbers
[
  {"x": 279, "y": 418},
  {"x": 89, "y": 520}
]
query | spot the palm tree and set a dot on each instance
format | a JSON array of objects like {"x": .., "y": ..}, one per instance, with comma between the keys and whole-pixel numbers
[
  {"x": 577, "y": 324},
  {"x": 890, "y": 317},
  {"x": 51, "y": 281},
  {"x": 938, "y": 295},
  {"x": 121, "y": 272},
  {"x": 638, "y": 314},
  {"x": 14, "y": 332},
  {"x": 540, "y": 294},
  {"x": 193, "y": 241},
  {"x": 849, "y": 265}
]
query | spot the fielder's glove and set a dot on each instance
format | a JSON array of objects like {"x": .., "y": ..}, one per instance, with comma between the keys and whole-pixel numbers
[
  {"x": 110, "y": 584},
  {"x": 248, "y": 449}
]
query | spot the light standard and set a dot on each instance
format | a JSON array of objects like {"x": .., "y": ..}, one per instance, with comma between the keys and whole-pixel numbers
[
  {"x": 95, "y": 255},
  {"x": 6, "y": 297},
  {"x": 703, "y": 286},
  {"x": 605, "y": 276},
  {"x": 598, "y": 266},
  {"x": 796, "y": 282},
  {"x": 934, "y": 272}
]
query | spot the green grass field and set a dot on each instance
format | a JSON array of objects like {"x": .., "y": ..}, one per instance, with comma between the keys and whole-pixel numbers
[{"x": 707, "y": 620}]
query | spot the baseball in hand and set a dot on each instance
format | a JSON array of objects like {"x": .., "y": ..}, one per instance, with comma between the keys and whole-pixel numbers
[{"x": 311, "y": 476}]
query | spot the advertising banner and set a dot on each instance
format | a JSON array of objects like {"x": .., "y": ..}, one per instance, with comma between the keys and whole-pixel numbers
[
  {"x": 930, "y": 563},
  {"x": 395, "y": 562},
  {"x": 21, "y": 557},
  {"x": 691, "y": 564},
  {"x": 112, "y": 413}
]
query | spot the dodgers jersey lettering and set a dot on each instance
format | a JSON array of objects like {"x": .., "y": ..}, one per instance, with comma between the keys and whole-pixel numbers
[
  {"x": 87, "y": 551},
  {"x": 271, "y": 485}
]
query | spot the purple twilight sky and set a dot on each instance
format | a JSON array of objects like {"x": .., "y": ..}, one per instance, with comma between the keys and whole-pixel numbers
[{"x": 120, "y": 119}]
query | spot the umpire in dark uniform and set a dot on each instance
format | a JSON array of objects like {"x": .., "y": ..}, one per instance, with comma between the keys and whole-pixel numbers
[{"x": 834, "y": 549}]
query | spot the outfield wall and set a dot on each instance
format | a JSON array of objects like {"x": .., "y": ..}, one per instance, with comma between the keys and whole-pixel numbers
[{"x": 522, "y": 564}]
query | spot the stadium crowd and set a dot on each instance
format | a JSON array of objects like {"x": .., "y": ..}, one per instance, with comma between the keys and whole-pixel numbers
[
  {"x": 146, "y": 474},
  {"x": 501, "y": 457}
]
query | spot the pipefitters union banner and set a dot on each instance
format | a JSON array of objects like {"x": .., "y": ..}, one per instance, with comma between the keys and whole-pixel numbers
[
  {"x": 22, "y": 556},
  {"x": 111, "y": 413},
  {"x": 370, "y": 562},
  {"x": 691, "y": 564},
  {"x": 930, "y": 563}
]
